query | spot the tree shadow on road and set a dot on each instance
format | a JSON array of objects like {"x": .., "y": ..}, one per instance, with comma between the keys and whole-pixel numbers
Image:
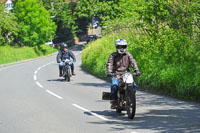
[
  {"x": 173, "y": 121},
  {"x": 162, "y": 114},
  {"x": 78, "y": 47}
]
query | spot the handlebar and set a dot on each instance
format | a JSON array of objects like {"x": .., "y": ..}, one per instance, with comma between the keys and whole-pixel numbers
[
  {"x": 121, "y": 73},
  {"x": 66, "y": 60}
]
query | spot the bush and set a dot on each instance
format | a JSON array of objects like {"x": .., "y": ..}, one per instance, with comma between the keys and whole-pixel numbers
[{"x": 170, "y": 64}]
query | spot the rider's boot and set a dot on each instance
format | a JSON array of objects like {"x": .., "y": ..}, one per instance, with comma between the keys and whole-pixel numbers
[
  {"x": 113, "y": 104},
  {"x": 72, "y": 68},
  {"x": 60, "y": 72}
]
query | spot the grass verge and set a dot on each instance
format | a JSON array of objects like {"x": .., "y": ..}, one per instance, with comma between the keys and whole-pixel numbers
[{"x": 10, "y": 54}]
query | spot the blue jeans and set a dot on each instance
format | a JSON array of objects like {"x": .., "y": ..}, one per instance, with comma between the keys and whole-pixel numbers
[{"x": 114, "y": 87}]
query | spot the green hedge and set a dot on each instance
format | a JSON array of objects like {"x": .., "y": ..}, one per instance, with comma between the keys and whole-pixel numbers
[
  {"x": 10, "y": 54},
  {"x": 169, "y": 64}
]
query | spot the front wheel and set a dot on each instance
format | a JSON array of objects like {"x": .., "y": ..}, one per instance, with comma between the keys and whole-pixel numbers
[
  {"x": 130, "y": 102},
  {"x": 67, "y": 76}
]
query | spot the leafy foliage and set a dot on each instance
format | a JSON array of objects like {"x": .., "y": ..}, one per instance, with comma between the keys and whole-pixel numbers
[
  {"x": 163, "y": 37},
  {"x": 35, "y": 25},
  {"x": 63, "y": 16},
  {"x": 8, "y": 26},
  {"x": 66, "y": 23},
  {"x": 88, "y": 9},
  {"x": 74, "y": 18}
]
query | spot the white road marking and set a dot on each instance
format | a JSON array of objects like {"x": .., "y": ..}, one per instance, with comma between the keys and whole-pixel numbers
[
  {"x": 34, "y": 76},
  {"x": 134, "y": 132},
  {"x": 38, "y": 68},
  {"x": 50, "y": 92},
  {"x": 35, "y": 72},
  {"x": 39, "y": 84},
  {"x": 88, "y": 111}
]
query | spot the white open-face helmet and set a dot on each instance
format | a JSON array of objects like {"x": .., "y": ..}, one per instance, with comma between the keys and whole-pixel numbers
[{"x": 121, "y": 45}]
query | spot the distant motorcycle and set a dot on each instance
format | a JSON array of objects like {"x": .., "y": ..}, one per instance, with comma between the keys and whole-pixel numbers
[
  {"x": 67, "y": 70},
  {"x": 126, "y": 98}
]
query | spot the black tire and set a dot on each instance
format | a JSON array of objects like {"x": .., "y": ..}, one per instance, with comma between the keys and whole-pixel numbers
[
  {"x": 68, "y": 75},
  {"x": 130, "y": 102},
  {"x": 64, "y": 74}
]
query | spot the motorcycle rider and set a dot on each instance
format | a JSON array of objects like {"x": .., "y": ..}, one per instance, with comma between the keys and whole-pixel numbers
[
  {"x": 63, "y": 54},
  {"x": 119, "y": 61}
]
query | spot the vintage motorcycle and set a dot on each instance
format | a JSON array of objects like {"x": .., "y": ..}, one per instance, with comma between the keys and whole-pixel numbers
[
  {"x": 126, "y": 98},
  {"x": 67, "y": 70}
]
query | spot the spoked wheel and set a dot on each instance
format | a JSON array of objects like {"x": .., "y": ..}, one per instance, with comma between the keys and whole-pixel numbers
[
  {"x": 119, "y": 108},
  {"x": 130, "y": 102}
]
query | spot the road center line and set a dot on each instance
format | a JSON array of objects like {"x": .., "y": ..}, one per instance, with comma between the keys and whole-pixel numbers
[
  {"x": 39, "y": 84},
  {"x": 35, "y": 72},
  {"x": 88, "y": 111},
  {"x": 38, "y": 68},
  {"x": 34, "y": 76},
  {"x": 50, "y": 92}
]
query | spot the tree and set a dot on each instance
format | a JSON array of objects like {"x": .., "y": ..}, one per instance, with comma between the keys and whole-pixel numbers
[
  {"x": 86, "y": 10},
  {"x": 8, "y": 26},
  {"x": 62, "y": 13},
  {"x": 35, "y": 24},
  {"x": 65, "y": 21}
]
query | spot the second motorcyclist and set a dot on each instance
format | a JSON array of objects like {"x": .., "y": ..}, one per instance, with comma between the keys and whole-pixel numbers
[
  {"x": 63, "y": 54},
  {"x": 119, "y": 61}
]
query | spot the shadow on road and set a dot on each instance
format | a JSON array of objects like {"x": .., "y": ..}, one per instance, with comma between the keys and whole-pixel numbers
[
  {"x": 79, "y": 46},
  {"x": 105, "y": 85},
  {"x": 56, "y": 80},
  {"x": 162, "y": 114}
]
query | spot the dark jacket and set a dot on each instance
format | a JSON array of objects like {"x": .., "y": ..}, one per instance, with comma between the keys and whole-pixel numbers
[
  {"x": 121, "y": 62},
  {"x": 62, "y": 55}
]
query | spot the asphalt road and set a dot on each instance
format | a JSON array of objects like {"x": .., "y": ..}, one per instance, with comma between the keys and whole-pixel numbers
[{"x": 33, "y": 99}]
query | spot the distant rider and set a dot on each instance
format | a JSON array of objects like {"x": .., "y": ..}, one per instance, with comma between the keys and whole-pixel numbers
[
  {"x": 64, "y": 54},
  {"x": 119, "y": 61}
]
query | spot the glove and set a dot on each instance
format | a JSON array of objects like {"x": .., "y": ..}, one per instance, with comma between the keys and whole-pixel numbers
[
  {"x": 59, "y": 61},
  {"x": 137, "y": 73},
  {"x": 109, "y": 74}
]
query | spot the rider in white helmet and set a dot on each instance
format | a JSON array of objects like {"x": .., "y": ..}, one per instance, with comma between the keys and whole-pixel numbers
[{"x": 119, "y": 61}]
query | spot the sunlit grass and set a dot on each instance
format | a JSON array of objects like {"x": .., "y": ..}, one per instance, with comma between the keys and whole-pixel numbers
[{"x": 10, "y": 54}]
